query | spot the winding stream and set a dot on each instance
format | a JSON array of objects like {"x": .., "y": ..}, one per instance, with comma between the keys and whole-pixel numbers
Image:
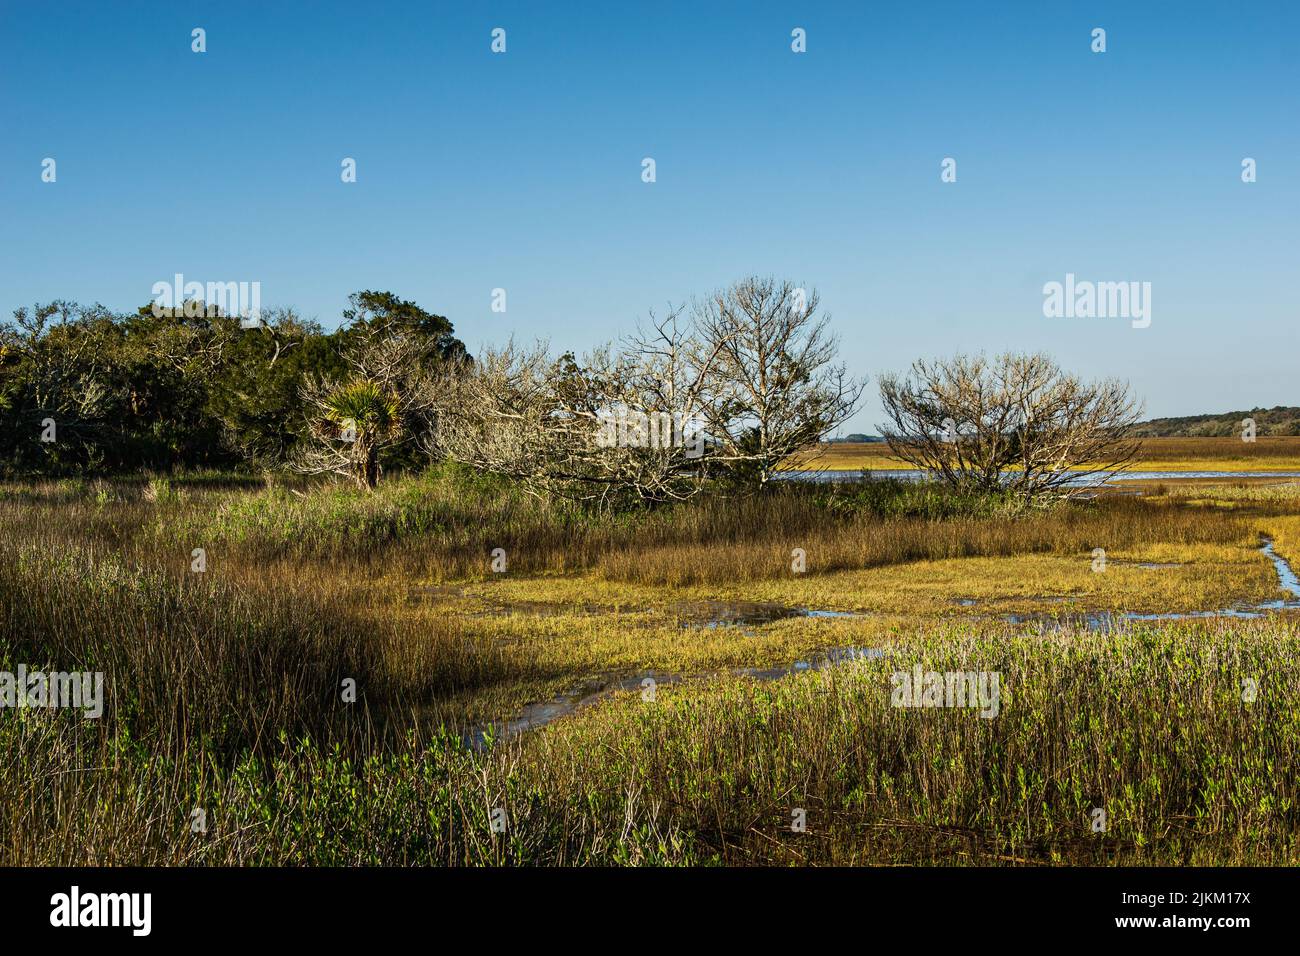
[
  {"x": 1108, "y": 620},
  {"x": 730, "y": 614}
]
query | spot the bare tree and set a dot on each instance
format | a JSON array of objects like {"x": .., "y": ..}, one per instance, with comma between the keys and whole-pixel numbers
[
  {"x": 618, "y": 422},
  {"x": 746, "y": 381},
  {"x": 496, "y": 414},
  {"x": 775, "y": 387},
  {"x": 1017, "y": 422}
]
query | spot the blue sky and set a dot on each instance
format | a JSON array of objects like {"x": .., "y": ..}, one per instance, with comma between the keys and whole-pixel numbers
[{"x": 523, "y": 170}]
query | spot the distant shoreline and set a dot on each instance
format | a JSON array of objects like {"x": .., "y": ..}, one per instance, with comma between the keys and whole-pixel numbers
[{"x": 1265, "y": 454}]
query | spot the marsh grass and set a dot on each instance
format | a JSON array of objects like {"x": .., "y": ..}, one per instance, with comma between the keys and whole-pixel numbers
[
  {"x": 224, "y": 687},
  {"x": 443, "y": 526},
  {"x": 217, "y": 661},
  {"x": 710, "y": 774},
  {"x": 863, "y": 540}
]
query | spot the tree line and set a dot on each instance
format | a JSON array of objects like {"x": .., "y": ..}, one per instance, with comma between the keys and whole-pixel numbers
[
  {"x": 719, "y": 394},
  {"x": 86, "y": 391}
]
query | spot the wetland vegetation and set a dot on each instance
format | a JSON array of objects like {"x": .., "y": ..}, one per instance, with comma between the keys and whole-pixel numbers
[{"x": 225, "y": 686}]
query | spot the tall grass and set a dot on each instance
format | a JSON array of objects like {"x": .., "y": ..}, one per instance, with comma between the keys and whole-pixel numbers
[
  {"x": 1149, "y": 725},
  {"x": 224, "y": 692},
  {"x": 444, "y": 526},
  {"x": 201, "y": 660},
  {"x": 861, "y": 539}
]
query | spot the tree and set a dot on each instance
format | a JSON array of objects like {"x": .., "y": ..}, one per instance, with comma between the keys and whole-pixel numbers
[
  {"x": 498, "y": 414},
  {"x": 620, "y": 423},
  {"x": 256, "y": 395},
  {"x": 392, "y": 351},
  {"x": 748, "y": 380},
  {"x": 774, "y": 386},
  {"x": 1017, "y": 422},
  {"x": 59, "y": 363},
  {"x": 432, "y": 336},
  {"x": 194, "y": 387},
  {"x": 352, "y": 424}
]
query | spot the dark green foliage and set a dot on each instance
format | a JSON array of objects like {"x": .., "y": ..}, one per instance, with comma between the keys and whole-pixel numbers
[
  {"x": 168, "y": 391},
  {"x": 1280, "y": 420}
]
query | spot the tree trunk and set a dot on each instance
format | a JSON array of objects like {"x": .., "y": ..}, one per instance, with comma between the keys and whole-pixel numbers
[{"x": 365, "y": 466}]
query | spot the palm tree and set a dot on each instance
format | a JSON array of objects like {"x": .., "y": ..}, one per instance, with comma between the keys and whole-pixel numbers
[{"x": 364, "y": 418}]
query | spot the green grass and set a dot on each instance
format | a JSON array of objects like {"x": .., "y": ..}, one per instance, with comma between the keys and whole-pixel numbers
[
  {"x": 1151, "y": 726},
  {"x": 224, "y": 688}
]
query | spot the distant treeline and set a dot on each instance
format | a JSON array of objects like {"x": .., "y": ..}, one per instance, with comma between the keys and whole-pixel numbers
[
  {"x": 84, "y": 390},
  {"x": 1279, "y": 421},
  {"x": 1282, "y": 420},
  {"x": 753, "y": 367}
]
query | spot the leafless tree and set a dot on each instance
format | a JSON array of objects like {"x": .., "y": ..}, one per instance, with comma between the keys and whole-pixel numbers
[
  {"x": 735, "y": 389},
  {"x": 619, "y": 422},
  {"x": 1017, "y": 422},
  {"x": 775, "y": 387},
  {"x": 496, "y": 414}
]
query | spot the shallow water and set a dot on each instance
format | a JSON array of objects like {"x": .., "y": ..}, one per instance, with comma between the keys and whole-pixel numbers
[
  {"x": 742, "y": 613},
  {"x": 1087, "y": 480},
  {"x": 754, "y": 613},
  {"x": 540, "y": 714},
  {"x": 1109, "y": 620},
  {"x": 708, "y": 614}
]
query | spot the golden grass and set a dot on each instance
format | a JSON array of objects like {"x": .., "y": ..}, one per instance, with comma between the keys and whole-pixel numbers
[
  {"x": 214, "y": 670},
  {"x": 1150, "y": 725},
  {"x": 460, "y": 644}
]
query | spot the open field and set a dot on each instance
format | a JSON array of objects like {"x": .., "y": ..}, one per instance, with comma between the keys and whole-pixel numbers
[
  {"x": 224, "y": 685},
  {"x": 1157, "y": 454}
]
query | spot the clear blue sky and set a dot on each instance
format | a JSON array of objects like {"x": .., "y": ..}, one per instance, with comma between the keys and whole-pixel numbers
[{"x": 523, "y": 170}]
